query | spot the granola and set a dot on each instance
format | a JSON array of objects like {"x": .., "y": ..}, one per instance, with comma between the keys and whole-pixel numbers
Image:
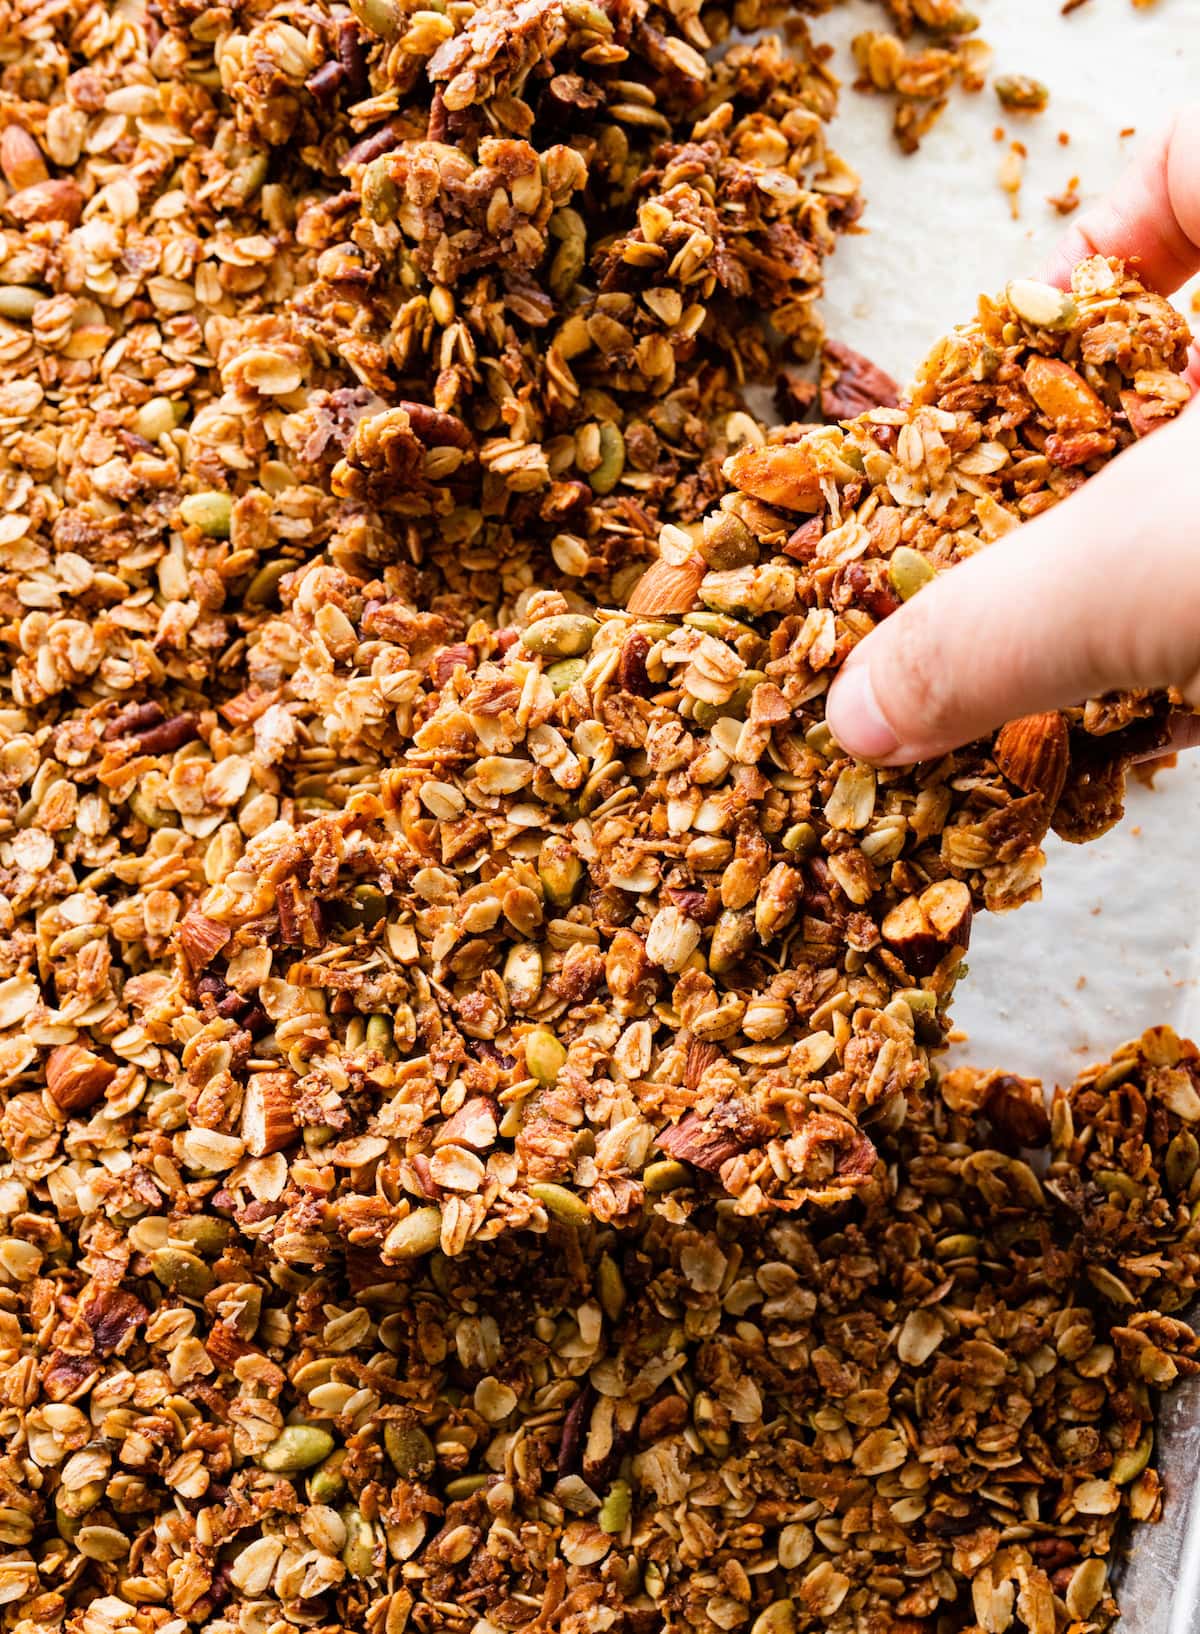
[
  {"x": 619, "y": 922},
  {"x": 931, "y": 1409}
]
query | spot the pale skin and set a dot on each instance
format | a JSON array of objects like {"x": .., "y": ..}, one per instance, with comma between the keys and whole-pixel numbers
[{"x": 1103, "y": 591}]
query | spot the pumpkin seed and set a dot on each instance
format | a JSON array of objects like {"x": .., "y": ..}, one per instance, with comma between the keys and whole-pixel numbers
[
  {"x": 563, "y": 1204},
  {"x": 612, "y": 459},
  {"x": 181, "y": 1272},
  {"x": 544, "y": 1055},
  {"x": 418, "y": 1233},
  {"x": 562, "y": 635},
  {"x": 211, "y": 512},
  {"x": 296, "y": 1448},
  {"x": 908, "y": 572}
]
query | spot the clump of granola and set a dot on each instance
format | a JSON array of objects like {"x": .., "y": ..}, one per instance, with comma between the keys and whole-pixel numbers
[
  {"x": 934, "y": 1403},
  {"x": 619, "y": 922}
]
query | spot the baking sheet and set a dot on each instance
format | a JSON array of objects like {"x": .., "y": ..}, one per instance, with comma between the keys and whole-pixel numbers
[{"x": 1111, "y": 948}]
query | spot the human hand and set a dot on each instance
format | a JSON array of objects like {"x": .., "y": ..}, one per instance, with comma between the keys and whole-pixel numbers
[{"x": 1098, "y": 594}]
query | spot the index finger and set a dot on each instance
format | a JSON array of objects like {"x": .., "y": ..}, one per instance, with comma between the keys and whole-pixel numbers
[{"x": 1152, "y": 214}]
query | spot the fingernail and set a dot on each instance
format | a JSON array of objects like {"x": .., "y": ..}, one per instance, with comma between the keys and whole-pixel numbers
[{"x": 855, "y": 718}]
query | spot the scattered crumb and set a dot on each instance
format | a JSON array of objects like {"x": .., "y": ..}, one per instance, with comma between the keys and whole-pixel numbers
[
  {"x": 1127, "y": 131},
  {"x": 1080, "y": 984},
  {"x": 1072, "y": 5},
  {"x": 998, "y": 134},
  {"x": 1012, "y": 171},
  {"x": 1196, "y": 300},
  {"x": 1064, "y": 138},
  {"x": 958, "y": 1035},
  {"x": 1068, "y": 200}
]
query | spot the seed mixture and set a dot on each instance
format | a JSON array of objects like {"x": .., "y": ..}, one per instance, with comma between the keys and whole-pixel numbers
[
  {"x": 457, "y": 1004},
  {"x": 928, "y": 1413}
]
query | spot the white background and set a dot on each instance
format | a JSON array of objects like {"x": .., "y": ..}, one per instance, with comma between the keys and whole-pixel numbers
[{"x": 1109, "y": 950}]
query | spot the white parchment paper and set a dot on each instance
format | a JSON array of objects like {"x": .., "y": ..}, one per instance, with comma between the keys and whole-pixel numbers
[{"x": 1111, "y": 949}]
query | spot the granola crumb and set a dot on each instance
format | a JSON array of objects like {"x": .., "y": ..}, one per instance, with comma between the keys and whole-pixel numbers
[{"x": 1068, "y": 201}]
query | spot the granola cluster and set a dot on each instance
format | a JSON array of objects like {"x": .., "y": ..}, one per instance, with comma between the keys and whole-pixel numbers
[
  {"x": 932, "y": 1410},
  {"x": 422, "y": 854},
  {"x": 619, "y": 922}
]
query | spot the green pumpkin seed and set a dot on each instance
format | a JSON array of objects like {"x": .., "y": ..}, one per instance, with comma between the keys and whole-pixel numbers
[
  {"x": 298, "y": 1447},
  {"x": 908, "y": 572},
  {"x": 611, "y": 1287},
  {"x": 464, "y": 1486},
  {"x": 1127, "y": 1466},
  {"x": 664, "y": 1176},
  {"x": 181, "y": 1272},
  {"x": 211, "y": 512},
  {"x": 408, "y": 1447},
  {"x": 265, "y": 583},
  {"x": 358, "y": 1553},
  {"x": 563, "y": 1204},
  {"x": 544, "y": 1055},
  {"x": 612, "y": 459},
  {"x": 614, "y": 1511},
  {"x": 559, "y": 870},
  {"x": 327, "y": 1483},
  {"x": 563, "y": 675},
  {"x": 381, "y": 1036},
  {"x": 418, "y": 1233},
  {"x": 206, "y": 1233},
  {"x": 801, "y": 838},
  {"x": 379, "y": 193},
  {"x": 1183, "y": 1157},
  {"x": 562, "y": 635},
  {"x": 382, "y": 17}
]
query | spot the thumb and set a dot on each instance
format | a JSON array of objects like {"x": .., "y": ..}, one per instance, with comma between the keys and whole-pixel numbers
[{"x": 1102, "y": 592}]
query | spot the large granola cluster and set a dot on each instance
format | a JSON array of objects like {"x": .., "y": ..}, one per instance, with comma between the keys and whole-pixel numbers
[
  {"x": 619, "y": 922},
  {"x": 929, "y": 1412}
]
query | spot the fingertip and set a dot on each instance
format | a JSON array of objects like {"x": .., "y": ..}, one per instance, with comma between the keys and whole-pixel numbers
[{"x": 855, "y": 717}]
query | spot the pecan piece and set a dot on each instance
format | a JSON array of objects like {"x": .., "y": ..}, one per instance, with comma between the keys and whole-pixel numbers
[
  {"x": 851, "y": 384},
  {"x": 77, "y": 1077},
  {"x": 113, "y": 1314},
  {"x": 170, "y": 735}
]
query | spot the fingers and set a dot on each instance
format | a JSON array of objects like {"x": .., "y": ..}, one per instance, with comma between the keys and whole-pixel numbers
[
  {"x": 1153, "y": 213},
  {"x": 1100, "y": 593}
]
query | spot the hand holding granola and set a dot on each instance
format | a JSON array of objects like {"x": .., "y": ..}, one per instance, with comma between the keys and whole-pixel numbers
[{"x": 1098, "y": 594}]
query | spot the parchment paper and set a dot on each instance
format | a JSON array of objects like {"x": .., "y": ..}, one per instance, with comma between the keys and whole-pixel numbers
[{"x": 1111, "y": 948}]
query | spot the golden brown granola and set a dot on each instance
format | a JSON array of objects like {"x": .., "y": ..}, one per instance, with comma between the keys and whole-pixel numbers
[
  {"x": 617, "y": 893},
  {"x": 932, "y": 1409}
]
